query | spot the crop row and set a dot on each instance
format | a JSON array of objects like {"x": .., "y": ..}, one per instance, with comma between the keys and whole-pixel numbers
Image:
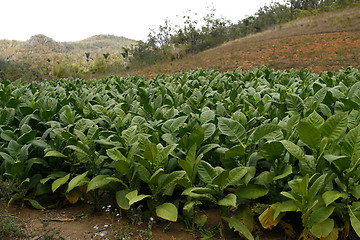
[{"x": 259, "y": 145}]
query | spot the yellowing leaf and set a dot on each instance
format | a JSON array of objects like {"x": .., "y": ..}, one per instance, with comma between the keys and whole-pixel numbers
[
  {"x": 73, "y": 196},
  {"x": 267, "y": 217}
]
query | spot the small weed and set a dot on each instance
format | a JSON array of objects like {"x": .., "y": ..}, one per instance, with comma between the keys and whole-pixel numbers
[
  {"x": 10, "y": 228},
  {"x": 167, "y": 228},
  {"x": 51, "y": 235},
  {"x": 147, "y": 232},
  {"x": 8, "y": 189},
  {"x": 121, "y": 231},
  {"x": 45, "y": 222}
]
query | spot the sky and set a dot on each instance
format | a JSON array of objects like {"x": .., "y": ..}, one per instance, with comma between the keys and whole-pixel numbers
[{"x": 73, "y": 20}]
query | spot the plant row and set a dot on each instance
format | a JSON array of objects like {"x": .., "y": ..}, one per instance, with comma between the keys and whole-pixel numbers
[{"x": 259, "y": 145}]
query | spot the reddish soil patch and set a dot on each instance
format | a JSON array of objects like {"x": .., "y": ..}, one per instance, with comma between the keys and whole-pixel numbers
[{"x": 318, "y": 52}]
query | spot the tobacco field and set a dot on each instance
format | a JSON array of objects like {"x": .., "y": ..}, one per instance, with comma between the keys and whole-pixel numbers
[{"x": 260, "y": 145}]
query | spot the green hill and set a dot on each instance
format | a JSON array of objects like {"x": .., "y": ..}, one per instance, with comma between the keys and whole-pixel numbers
[{"x": 50, "y": 59}]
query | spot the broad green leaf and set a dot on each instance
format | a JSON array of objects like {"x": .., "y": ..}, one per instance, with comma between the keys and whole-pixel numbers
[
  {"x": 272, "y": 150},
  {"x": 351, "y": 145},
  {"x": 207, "y": 116},
  {"x": 79, "y": 180},
  {"x": 266, "y": 131},
  {"x": 8, "y": 159},
  {"x": 116, "y": 155},
  {"x": 163, "y": 154},
  {"x": 173, "y": 125},
  {"x": 121, "y": 199},
  {"x": 320, "y": 215},
  {"x": 251, "y": 191},
  {"x": 38, "y": 143},
  {"x": 53, "y": 176},
  {"x": 317, "y": 185},
  {"x": 150, "y": 152},
  {"x": 169, "y": 138},
  {"x": 355, "y": 222},
  {"x": 287, "y": 171},
  {"x": 209, "y": 130},
  {"x": 54, "y": 153},
  {"x": 318, "y": 98},
  {"x": 196, "y": 137},
  {"x": 169, "y": 180},
  {"x": 206, "y": 172},
  {"x": 221, "y": 179},
  {"x": 77, "y": 149},
  {"x": 289, "y": 195},
  {"x": 98, "y": 182},
  {"x": 239, "y": 227},
  {"x": 114, "y": 179},
  {"x": 235, "y": 151},
  {"x": 133, "y": 199},
  {"x": 143, "y": 173},
  {"x": 34, "y": 203},
  {"x": 309, "y": 134},
  {"x": 158, "y": 102},
  {"x": 207, "y": 148},
  {"x": 14, "y": 148},
  {"x": 237, "y": 174},
  {"x": 354, "y": 93},
  {"x": 167, "y": 211},
  {"x": 228, "y": 201},
  {"x": 287, "y": 206},
  {"x": 294, "y": 103},
  {"x": 123, "y": 167},
  {"x": 322, "y": 229},
  {"x": 191, "y": 163},
  {"x": 200, "y": 193},
  {"x": 233, "y": 129},
  {"x": 356, "y": 191},
  {"x": 315, "y": 119},
  {"x": 129, "y": 134},
  {"x": 335, "y": 127},
  {"x": 59, "y": 182},
  {"x": 331, "y": 196},
  {"x": 294, "y": 150},
  {"x": 26, "y": 137}
]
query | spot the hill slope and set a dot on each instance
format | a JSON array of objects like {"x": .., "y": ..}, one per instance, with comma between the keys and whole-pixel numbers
[
  {"x": 40, "y": 44},
  {"x": 327, "y": 41},
  {"x": 41, "y": 57}
]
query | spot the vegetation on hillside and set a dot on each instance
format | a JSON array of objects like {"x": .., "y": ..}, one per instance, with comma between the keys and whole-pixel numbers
[
  {"x": 195, "y": 35},
  {"x": 41, "y": 57}
]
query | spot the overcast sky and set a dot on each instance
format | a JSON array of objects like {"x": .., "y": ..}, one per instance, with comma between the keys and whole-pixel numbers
[{"x": 72, "y": 20}]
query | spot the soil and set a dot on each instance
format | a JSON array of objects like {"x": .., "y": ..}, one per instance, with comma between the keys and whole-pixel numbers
[
  {"x": 318, "y": 52},
  {"x": 80, "y": 222}
]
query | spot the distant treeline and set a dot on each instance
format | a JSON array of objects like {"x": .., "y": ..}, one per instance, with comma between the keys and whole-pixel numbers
[{"x": 192, "y": 36}]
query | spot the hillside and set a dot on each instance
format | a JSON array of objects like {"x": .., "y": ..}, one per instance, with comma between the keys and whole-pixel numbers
[
  {"x": 40, "y": 44},
  {"x": 327, "y": 41},
  {"x": 48, "y": 59}
]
